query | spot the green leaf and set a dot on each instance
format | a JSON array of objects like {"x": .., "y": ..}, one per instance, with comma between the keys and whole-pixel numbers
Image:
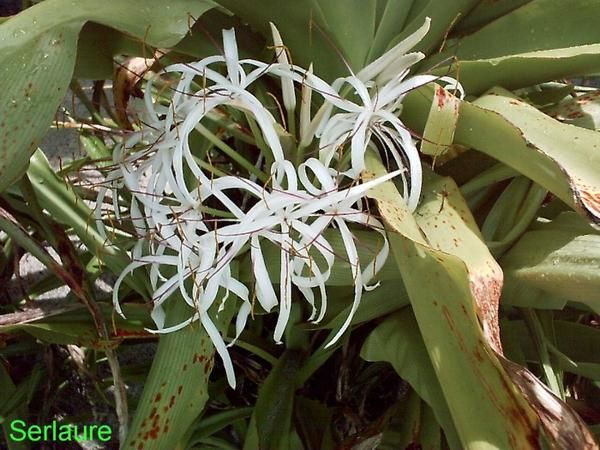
[
  {"x": 386, "y": 298},
  {"x": 582, "y": 111},
  {"x": 303, "y": 28},
  {"x": 35, "y": 76},
  {"x": 176, "y": 388},
  {"x": 487, "y": 11},
  {"x": 97, "y": 47},
  {"x": 21, "y": 396},
  {"x": 559, "y": 259},
  {"x": 439, "y": 287},
  {"x": 9, "y": 390},
  {"x": 398, "y": 341},
  {"x": 561, "y": 158},
  {"x": 73, "y": 325},
  {"x": 449, "y": 299},
  {"x": 393, "y": 17},
  {"x": 351, "y": 23},
  {"x": 312, "y": 420},
  {"x": 403, "y": 430},
  {"x": 524, "y": 69},
  {"x": 413, "y": 425},
  {"x": 444, "y": 16},
  {"x": 272, "y": 418},
  {"x": 341, "y": 35},
  {"x": 210, "y": 425},
  {"x": 20, "y": 236},
  {"x": 537, "y": 25},
  {"x": 540, "y": 41},
  {"x": 37, "y": 56},
  {"x": 66, "y": 207},
  {"x": 576, "y": 343},
  {"x": 441, "y": 123}
]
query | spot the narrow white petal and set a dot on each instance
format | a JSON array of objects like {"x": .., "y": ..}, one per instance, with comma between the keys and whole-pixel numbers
[
  {"x": 371, "y": 71},
  {"x": 287, "y": 85},
  {"x": 285, "y": 283},
  {"x": 356, "y": 275}
]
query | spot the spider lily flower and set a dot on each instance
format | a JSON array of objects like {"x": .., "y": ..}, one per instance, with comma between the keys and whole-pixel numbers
[
  {"x": 294, "y": 219},
  {"x": 374, "y": 117},
  {"x": 190, "y": 104},
  {"x": 293, "y": 211},
  {"x": 182, "y": 255},
  {"x": 397, "y": 59},
  {"x": 306, "y": 98}
]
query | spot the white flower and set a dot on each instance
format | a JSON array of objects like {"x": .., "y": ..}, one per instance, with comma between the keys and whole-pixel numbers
[
  {"x": 293, "y": 218},
  {"x": 380, "y": 88},
  {"x": 295, "y": 210}
]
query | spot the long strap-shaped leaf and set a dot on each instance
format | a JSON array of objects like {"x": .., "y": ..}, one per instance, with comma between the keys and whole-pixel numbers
[
  {"x": 493, "y": 404},
  {"x": 561, "y": 158},
  {"x": 37, "y": 55},
  {"x": 176, "y": 388},
  {"x": 540, "y": 41}
]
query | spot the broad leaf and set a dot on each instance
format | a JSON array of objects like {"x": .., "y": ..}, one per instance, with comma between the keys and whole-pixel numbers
[
  {"x": 37, "y": 56},
  {"x": 583, "y": 110},
  {"x": 398, "y": 341},
  {"x": 539, "y": 41},
  {"x": 176, "y": 388},
  {"x": 524, "y": 69},
  {"x": 560, "y": 259},
  {"x": 73, "y": 325},
  {"x": 576, "y": 343},
  {"x": 272, "y": 418},
  {"x": 537, "y": 25},
  {"x": 486, "y": 12},
  {"x": 561, "y": 158},
  {"x": 497, "y": 411},
  {"x": 444, "y": 15},
  {"x": 438, "y": 135}
]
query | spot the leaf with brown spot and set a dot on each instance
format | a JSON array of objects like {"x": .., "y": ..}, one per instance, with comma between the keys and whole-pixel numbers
[
  {"x": 562, "y": 158},
  {"x": 438, "y": 135},
  {"x": 443, "y": 203},
  {"x": 484, "y": 399},
  {"x": 37, "y": 55},
  {"x": 163, "y": 415},
  {"x": 582, "y": 111}
]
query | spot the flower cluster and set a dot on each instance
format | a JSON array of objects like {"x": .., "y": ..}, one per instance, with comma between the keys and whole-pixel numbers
[{"x": 189, "y": 246}]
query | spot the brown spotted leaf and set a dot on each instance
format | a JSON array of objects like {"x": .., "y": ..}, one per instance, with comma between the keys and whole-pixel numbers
[
  {"x": 445, "y": 219},
  {"x": 448, "y": 274},
  {"x": 454, "y": 285},
  {"x": 583, "y": 110},
  {"x": 562, "y": 158},
  {"x": 558, "y": 419},
  {"x": 438, "y": 135},
  {"x": 38, "y": 48},
  {"x": 176, "y": 388}
]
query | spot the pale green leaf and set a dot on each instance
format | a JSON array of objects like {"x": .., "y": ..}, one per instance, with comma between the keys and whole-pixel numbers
[
  {"x": 37, "y": 56},
  {"x": 445, "y": 295},
  {"x": 558, "y": 260},
  {"x": 398, "y": 341},
  {"x": 562, "y": 158},
  {"x": 582, "y": 111}
]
